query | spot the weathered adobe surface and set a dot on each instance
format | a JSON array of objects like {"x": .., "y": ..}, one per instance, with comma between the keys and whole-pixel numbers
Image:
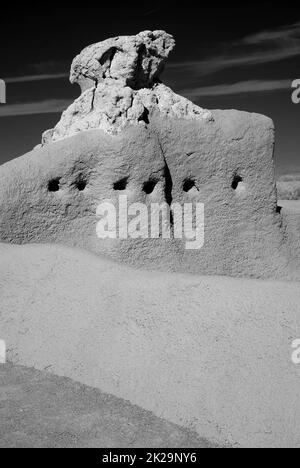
[
  {"x": 119, "y": 80},
  {"x": 117, "y": 137}
]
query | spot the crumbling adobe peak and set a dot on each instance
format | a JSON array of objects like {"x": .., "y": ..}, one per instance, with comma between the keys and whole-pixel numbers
[
  {"x": 119, "y": 80},
  {"x": 135, "y": 61}
]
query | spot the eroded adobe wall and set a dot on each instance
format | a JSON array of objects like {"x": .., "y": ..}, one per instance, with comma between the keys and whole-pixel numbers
[
  {"x": 52, "y": 194},
  {"x": 128, "y": 134},
  {"x": 228, "y": 165}
]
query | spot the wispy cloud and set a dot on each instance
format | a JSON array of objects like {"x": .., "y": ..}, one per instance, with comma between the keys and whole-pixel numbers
[
  {"x": 154, "y": 10},
  {"x": 252, "y": 86},
  {"x": 265, "y": 47},
  {"x": 31, "y": 78},
  {"x": 281, "y": 34},
  {"x": 30, "y": 108},
  {"x": 262, "y": 48}
]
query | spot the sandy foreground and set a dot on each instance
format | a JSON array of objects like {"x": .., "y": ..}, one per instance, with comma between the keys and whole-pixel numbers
[
  {"x": 44, "y": 411},
  {"x": 210, "y": 354}
]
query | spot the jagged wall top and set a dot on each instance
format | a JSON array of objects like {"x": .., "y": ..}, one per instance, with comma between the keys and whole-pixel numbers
[
  {"x": 135, "y": 61},
  {"x": 119, "y": 80}
]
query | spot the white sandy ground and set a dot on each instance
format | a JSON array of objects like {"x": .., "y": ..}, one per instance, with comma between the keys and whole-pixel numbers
[{"x": 212, "y": 354}]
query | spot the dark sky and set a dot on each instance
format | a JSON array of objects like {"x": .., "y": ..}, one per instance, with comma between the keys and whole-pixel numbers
[{"x": 241, "y": 55}]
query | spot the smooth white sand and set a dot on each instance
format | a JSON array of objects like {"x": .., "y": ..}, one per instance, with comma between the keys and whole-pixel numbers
[{"x": 209, "y": 353}]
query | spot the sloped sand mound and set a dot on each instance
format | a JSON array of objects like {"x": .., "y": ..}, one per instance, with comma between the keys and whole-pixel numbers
[{"x": 211, "y": 354}]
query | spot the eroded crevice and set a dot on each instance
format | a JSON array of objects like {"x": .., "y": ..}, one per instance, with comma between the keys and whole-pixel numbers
[
  {"x": 168, "y": 185},
  {"x": 121, "y": 184},
  {"x": 108, "y": 56},
  {"x": 149, "y": 186},
  {"x": 138, "y": 80},
  {"x": 169, "y": 190},
  {"x": 54, "y": 185},
  {"x": 236, "y": 181},
  {"x": 188, "y": 185},
  {"x": 94, "y": 95},
  {"x": 80, "y": 184},
  {"x": 145, "y": 116},
  {"x": 106, "y": 60}
]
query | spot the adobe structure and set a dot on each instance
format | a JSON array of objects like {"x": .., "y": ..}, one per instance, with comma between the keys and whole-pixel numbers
[{"x": 129, "y": 134}]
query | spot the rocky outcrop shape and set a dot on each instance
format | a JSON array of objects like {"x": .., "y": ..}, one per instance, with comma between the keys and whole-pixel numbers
[{"x": 119, "y": 80}]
